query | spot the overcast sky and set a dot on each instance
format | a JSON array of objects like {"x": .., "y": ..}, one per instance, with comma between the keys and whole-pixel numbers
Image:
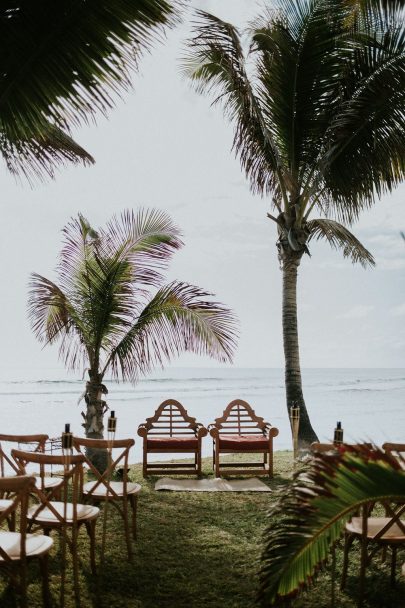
[{"x": 164, "y": 146}]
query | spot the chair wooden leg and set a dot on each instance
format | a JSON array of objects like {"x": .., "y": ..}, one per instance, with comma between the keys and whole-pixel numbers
[
  {"x": 393, "y": 565},
  {"x": 91, "y": 531},
  {"x": 217, "y": 473},
  {"x": 46, "y": 596},
  {"x": 126, "y": 528},
  {"x": 134, "y": 506},
  {"x": 145, "y": 459}
]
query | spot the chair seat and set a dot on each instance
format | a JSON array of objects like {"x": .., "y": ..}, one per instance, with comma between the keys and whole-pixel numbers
[
  {"x": 243, "y": 442},
  {"x": 374, "y": 525},
  {"x": 36, "y": 544},
  {"x": 116, "y": 486},
  {"x": 46, "y": 516},
  {"x": 172, "y": 443},
  {"x": 5, "y": 504}
]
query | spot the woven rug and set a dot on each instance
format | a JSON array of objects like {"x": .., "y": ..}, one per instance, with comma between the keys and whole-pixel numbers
[{"x": 211, "y": 485}]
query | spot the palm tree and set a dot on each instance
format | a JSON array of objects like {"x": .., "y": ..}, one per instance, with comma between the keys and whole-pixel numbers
[
  {"x": 311, "y": 514},
  {"x": 316, "y": 95},
  {"x": 105, "y": 318},
  {"x": 60, "y": 64}
]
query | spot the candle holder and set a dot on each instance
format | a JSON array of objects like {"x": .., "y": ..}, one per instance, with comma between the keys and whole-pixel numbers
[
  {"x": 67, "y": 439},
  {"x": 112, "y": 424},
  {"x": 338, "y": 434},
  {"x": 295, "y": 425}
]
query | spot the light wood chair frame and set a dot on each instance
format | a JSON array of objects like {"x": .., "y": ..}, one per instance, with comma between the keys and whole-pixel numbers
[
  {"x": 39, "y": 439},
  {"x": 119, "y": 501},
  {"x": 20, "y": 487},
  {"x": 240, "y": 419},
  {"x": 72, "y": 466},
  {"x": 171, "y": 420}
]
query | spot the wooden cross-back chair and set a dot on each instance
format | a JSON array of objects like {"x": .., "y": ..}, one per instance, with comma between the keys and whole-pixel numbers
[
  {"x": 65, "y": 513},
  {"x": 18, "y": 547},
  {"x": 375, "y": 533},
  {"x": 239, "y": 430},
  {"x": 171, "y": 431},
  {"x": 104, "y": 488},
  {"x": 32, "y": 443}
]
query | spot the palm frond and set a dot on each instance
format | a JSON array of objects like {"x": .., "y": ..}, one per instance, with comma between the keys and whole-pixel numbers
[
  {"x": 215, "y": 63},
  {"x": 294, "y": 48},
  {"x": 339, "y": 237},
  {"x": 310, "y": 514},
  {"x": 364, "y": 155},
  {"x": 179, "y": 318},
  {"x": 62, "y": 62},
  {"x": 41, "y": 154},
  {"x": 53, "y": 319}
]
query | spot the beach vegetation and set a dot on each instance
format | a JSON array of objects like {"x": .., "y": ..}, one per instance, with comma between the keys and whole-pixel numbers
[
  {"x": 62, "y": 65},
  {"x": 309, "y": 518},
  {"x": 111, "y": 312},
  {"x": 315, "y": 91}
]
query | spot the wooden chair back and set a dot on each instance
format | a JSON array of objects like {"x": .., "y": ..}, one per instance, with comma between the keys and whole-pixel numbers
[
  {"x": 122, "y": 446},
  {"x": 240, "y": 419},
  {"x": 19, "y": 488},
  {"x": 170, "y": 419},
  {"x": 72, "y": 466},
  {"x": 395, "y": 449},
  {"x": 36, "y": 443}
]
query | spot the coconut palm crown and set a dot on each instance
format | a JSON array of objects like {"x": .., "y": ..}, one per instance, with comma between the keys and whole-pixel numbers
[
  {"x": 111, "y": 312},
  {"x": 315, "y": 90},
  {"x": 61, "y": 64}
]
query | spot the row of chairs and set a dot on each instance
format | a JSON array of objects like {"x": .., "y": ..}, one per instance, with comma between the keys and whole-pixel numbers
[
  {"x": 64, "y": 503},
  {"x": 374, "y": 532},
  {"x": 239, "y": 430}
]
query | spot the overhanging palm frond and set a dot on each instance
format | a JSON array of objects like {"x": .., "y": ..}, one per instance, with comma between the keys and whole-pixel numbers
[
  {"x": 339, "y": 237},
  {"x": 311, "y": 513},
  {"x": 41, "y": 154},
  {"x": 179, "y": 318},
  {"x": 62, "y": 62},
  {"x": 215, "y": 63}
]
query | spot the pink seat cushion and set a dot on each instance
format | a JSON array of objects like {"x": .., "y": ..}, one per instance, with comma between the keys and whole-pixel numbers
[
  {"x": 172, "y": 443},
  {"x": 243, "y": 442}
]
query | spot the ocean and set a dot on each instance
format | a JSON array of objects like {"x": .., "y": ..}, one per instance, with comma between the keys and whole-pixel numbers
[{"x": 370, "y": 403}]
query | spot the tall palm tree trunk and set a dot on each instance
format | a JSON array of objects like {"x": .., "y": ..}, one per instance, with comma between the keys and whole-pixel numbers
[
  {"x": 293, "y": 383},
  {"x": 93, "y": 421}
]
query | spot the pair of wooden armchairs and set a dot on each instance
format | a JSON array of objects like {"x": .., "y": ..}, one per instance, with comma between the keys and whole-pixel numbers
[{"x": 172, "y": 431}]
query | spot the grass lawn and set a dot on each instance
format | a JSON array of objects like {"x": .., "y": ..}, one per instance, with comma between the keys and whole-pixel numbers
[{"x": 197, "y": 550}]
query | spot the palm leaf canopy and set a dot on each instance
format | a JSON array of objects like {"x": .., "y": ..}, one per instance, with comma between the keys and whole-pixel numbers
[
  {"x": 316, "y": 94},
  {"x": 311, "y": 513},
  {"x": 102, "y": 312},
  {"x": 61, "y": 63}
]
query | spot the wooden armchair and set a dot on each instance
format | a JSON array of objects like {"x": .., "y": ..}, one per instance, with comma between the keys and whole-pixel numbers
[
  {"x": 239, "y": 430},
  {"x": 171, "y": 431}
]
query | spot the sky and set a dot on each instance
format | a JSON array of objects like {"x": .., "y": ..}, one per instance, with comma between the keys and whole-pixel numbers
[{"x": 164, "y": 146}]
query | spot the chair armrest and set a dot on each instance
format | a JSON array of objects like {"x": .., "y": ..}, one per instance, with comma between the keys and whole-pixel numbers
[
  {"x": 213, "y": 430},
  {"x": 270, "y": 431},
  {"x": 200, "y": 430},
  {"x": 142, "y": 430}
]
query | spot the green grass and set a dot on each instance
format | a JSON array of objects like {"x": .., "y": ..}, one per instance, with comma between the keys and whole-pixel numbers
[{"x": 199, "y": 550}]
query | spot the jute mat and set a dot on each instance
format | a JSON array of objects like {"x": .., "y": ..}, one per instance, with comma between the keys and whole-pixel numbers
[{"x": 212, "y": 485}]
